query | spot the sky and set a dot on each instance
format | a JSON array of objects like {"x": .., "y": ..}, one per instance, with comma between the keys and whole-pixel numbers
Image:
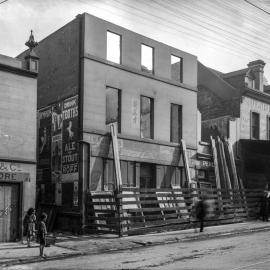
[{"x": 223, "y": 34}]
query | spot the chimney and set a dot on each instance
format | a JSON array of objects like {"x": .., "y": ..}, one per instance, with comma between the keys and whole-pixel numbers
[{"x": 257, "y": 69}]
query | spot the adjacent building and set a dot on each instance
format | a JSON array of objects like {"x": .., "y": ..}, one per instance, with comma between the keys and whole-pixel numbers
[
  {"x": 236, "y": 105},
  {"x": 18, "y": 103},
  {"x": 94, "y": 73}
]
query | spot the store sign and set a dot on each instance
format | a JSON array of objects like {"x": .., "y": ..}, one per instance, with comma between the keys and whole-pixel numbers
[
  {"x": 14, "y": 176},
  {"x": 10, "y": 167},
  {"x": 204, "y": 164}
]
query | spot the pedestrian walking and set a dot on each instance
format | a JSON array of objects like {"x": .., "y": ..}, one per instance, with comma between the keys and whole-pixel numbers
[
  {"x": 201, "y": 212},
  {"x": 29, "y": 223},
  {"x": 42, "y": 231},
  {"x": 265, "y": 205}
]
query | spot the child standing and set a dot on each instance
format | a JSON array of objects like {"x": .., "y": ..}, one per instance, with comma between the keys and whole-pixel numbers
[
  {"x": 42, "y": 231},
  {"x": 29, "y": 225}
]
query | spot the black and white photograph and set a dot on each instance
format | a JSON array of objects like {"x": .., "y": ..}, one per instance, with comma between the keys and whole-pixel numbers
[{"x": 135, "y": 134}]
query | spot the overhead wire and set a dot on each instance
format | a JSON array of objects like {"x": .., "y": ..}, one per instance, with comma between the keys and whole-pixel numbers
[
  {"x": 228, "y": 26},
  {"x": 257, "y": 7},
  {"x": 220, "y": 41},
  {"x": 197, "y": 34},
  {"x": 206, "y": 26},
  {"x": 3, "y": 2}
]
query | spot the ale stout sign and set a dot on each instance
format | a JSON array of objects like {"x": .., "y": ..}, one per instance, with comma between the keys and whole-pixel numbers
[{"x": 70, "y": 156}]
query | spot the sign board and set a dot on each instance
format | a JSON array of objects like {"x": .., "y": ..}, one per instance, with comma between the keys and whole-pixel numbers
[
  {"x": 14, "y": 176},
  {"x": 10, "y": 167}
]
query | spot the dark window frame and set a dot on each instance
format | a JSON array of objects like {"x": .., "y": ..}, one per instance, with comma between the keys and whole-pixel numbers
[
  {"x": 119, "y": 109},
  {"x": 180, "y": 126},
  {"x": 181, "y": 67},
  {"x": 153, "y": 59},
  {"x": 120, "y": 49},
  {"x": 151, "y": 116},
  {"x": 252, "y": 127}
]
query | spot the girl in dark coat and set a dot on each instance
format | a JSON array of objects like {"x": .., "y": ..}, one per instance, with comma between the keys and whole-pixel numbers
[
  {"x": 42, "y": 231},
  {"x": 201, "y": 212},
  {"x": 265, "y": 206}
]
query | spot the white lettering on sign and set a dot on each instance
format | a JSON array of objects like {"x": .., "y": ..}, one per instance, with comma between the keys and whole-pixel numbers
[
  {"x": 45, "y": 113},
  {"x": 70, "y": 113},
  {"x": 256, "y": 105},
  {"x": 205, "y": 163},
  {"x": 71, "y": 103},
  {"x": 70, "y": 168},
  {"x": 70, "y": 158}
]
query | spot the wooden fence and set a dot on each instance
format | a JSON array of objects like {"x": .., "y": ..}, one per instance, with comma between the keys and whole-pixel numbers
[{"x": 138, "y": 211}]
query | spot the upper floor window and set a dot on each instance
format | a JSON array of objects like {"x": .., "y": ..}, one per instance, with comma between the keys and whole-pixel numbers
[
  {"x": 252, "y": 83},
  {"x": 177, "y": 68},
  {"x": 176, "y": 123},
  {"x": 147, "y": 58},
  {"x": 147, "y": 117},
  {"x": 113, "y": 107},
  {"x": 255, "y": 125},
  {"x": 113, "y": 47}
]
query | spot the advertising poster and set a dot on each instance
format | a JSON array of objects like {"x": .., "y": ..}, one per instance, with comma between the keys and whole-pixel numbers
[
  {"x": 70, "y": 151},
  {"x": 44, "y": 144},
  {"x": 56, "y": 158}
]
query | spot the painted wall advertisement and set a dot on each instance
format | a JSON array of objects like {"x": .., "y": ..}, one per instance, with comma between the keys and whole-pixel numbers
[
  {"x": 56, "y": 160},
  {"x": 44, "y": 144},
  {"x": 58, "y": 142},
  {"x": 70, "y": 156}
]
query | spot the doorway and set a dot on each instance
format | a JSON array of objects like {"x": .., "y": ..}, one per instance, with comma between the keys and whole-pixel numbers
[
  {"x": 9, "y": 212},
  {"x": 147, "y": 175},
  {"x": 148, "y": 197}
]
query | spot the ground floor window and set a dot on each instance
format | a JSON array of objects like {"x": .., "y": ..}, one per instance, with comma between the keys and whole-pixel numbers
[
  {"x": 103, "y": 177},
  {"x": 134, "y": 174},
  {"x": 168, "y": 176}
]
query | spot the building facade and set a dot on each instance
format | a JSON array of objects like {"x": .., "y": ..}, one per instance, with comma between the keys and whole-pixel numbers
[
  {"x": 236, "y": 105},
  {"x": 94, "y": 73},
  {"x": 18, "y": 103}
]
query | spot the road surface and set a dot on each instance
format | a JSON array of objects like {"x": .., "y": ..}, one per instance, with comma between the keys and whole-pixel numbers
[{"x": 249, "y": 251}]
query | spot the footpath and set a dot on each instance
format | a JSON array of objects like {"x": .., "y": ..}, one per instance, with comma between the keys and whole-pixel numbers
[{"x": 67, "y": 246}]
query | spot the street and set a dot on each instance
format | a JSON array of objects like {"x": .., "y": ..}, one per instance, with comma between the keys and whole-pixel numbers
[{"x": 248, "y": 251}]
